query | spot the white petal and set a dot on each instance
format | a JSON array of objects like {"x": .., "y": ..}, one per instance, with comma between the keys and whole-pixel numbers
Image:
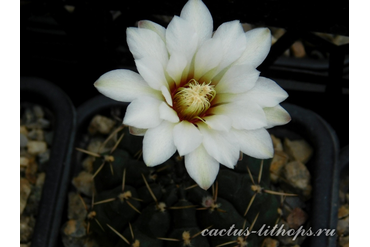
[
  {"x": 208, "y": 56},
  {"x": 276, "y": 116},
  {"x": 124, "y": 85},
  {"x": 158, "y": 29},
  {"x": 220, "y": 145},
  {"x": 181, "y": 38},
  {"x": 186, "y": 137},
  {"x": 258, "y": 46},
  {"x": 233, "y": 41},
  {"x": 197, "y": 13},
  {"x": 266, "y": 93},
  {"x": 166, "y": 94},
  {"x": 222, "y": 98},
  {"x": 152, "y": 72},
  {"x": 202, "y": 167},
  {"x": 244, "y": 115},
  {"x": 255, "y": 143},
  {"x": 158, "y": 144},
  {"x": 137, "y": 131},
  {"x": 218, "y": 122},
  {"x": 238, "y": 79},
  {"x": 143, "y": 113},
  {"x": 146, "y": 43},
  {"x": 167, "y": 113},
  {"x": 176, "y": 66}
]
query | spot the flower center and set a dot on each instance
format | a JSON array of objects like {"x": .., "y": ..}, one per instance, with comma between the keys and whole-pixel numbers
[{"x": 193, "y": 99}]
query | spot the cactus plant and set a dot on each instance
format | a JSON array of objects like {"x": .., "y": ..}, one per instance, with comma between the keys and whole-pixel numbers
[
  {"x": 136, "y": 205},
  {"x": 208, "y": 113}
]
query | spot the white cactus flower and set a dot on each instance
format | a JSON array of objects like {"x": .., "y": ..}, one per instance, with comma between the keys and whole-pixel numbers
[{"x": 198, "y": 92}]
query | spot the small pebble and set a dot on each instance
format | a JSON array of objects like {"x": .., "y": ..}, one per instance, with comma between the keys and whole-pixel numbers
[
  {"x": 76, "y": 208},
  {"x": 23, "y": 130},
  {"x": 294, "y": 202},
  {"x": 296, "y": 218},
  {"x": 287, "y": 240},
  {"x": 298, "y": 150},
  {"x": 74, "y": 228},
  {"x": 96, "y": 144},
  {"x": 36, "y": 147},
  {"x": 73, "y": 233},
  {"x": 27, "y": 224},
  {"x": 25, "y": 190},
  {"x": 277, "y": 164},
  {"x": 270, "y": 242},
  {"x": 40, "y": 179},
  {"x": 87, "y": 164},
  {"x": 38, "y": 111},
  {"x": 298, "y": 49},
  {"x": 23, "y": 141},
  {"x": 35, "y": 196},
  {"x": 343, "y": 211},
  {"x": 43, "y": 123},
  {"x": 84, "y": 183},
  {"x": 31, "y": 171},
  {"x": 343, "y": 227},
  {"x": 344, "y": 241},
  {"x": 101, "y": 124},
  {"x": 44, "y": 157},
  {"x": 29, "y": 117},
  {"x": 297, "y": 175},
  {"x": 36, "y": 135},
  {"x": 24, "y": 161},
  {"x": 278, "y": 146}
]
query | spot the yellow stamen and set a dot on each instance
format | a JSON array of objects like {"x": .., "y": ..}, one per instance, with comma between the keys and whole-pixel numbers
[{"x": 193, "y": 99}]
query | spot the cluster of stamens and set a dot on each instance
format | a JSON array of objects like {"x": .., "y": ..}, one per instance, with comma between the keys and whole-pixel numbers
[{"x": 193, "y": 99}]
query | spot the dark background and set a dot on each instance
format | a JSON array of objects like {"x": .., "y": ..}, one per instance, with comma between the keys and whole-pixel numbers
[{"x": 72, "y": 43}]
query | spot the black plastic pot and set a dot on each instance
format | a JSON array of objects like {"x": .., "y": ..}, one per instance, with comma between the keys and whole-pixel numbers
[
  {"x": 323, "y": 166},
  {"x": 344, "y": 172},
  {"x": 307, "y": 124},
  {"x": 45, "y": 94},
  {"x": 344, "y": 161}
]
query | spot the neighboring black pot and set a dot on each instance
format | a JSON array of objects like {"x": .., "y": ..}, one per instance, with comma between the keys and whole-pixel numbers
[
  {"x": 98, "y": 105},
  {"x": 323, "y": 166},
  {"x": 306, "y": 124},
  {"x": 45, "y": 94}
]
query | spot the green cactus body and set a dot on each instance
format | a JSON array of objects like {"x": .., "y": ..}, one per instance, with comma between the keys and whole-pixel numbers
[{"x": 138, "y": 206}]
